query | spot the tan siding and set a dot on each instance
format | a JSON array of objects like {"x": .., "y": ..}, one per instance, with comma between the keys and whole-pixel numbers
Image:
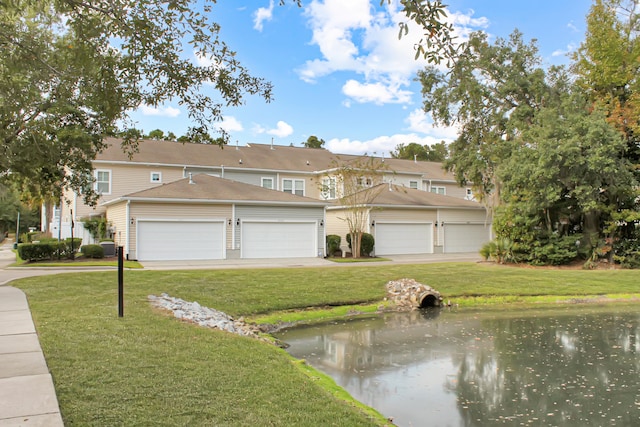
[
  {"x": 464, "y": 215},
  {"x": 176, "y": 211},
  {"x": 335, "y": 225},
  {"x": 125, "y": 179},
  {"x": 404, "y": 215},
  {"x": 117, "y": 216}
]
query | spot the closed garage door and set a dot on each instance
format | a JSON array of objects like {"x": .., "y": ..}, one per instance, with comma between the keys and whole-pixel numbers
[
  {"x": 465, "y": 237},
  {"x": 403, "y": 238},
  {"x": 180, "y": 240},
  {"x": 278, "y": 239}
]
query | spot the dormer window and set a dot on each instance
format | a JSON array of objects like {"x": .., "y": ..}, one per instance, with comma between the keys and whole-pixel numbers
[{"x": 156, "y": 177}]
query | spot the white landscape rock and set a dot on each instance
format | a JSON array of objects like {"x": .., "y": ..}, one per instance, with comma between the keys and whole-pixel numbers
[
  {"x": 203, "y": 316},
  {"x": 408, "y": 294}
]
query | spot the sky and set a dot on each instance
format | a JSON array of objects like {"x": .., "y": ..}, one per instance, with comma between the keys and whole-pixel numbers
[{"x": 340, "y": 72}]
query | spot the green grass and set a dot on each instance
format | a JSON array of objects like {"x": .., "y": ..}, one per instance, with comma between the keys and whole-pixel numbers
[
  {"x": 151, "y": 369},
  {"x": 354, "y": 260}
]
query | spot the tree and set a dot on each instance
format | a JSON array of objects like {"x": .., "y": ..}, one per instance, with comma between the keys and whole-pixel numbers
[
  {"x": 72, "y": 69},
  {"x": 536, "y": 150},
  {"x": 360, "y": 181},
  {"x": 415, "y": 151},
  {"x": 313, "y": 142},
  {"x": 156, "y": 134}
]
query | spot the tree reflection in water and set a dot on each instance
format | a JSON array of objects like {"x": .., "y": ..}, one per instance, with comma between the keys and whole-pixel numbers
[{"x": 575, "y": 366}]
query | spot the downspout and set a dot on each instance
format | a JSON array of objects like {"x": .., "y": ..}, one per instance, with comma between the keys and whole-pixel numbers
[
  {"x": 221, "y": 171},
  {"x": 128, "y": 228},
  {"x": 233, "y": 227}
]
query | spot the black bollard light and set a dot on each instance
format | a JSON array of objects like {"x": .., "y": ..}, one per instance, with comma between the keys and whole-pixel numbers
[{"x": 120, "y": 282}]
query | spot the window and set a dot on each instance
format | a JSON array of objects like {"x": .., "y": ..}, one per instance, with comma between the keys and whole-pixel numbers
[
  {"x": 439, "y": 190},
  {"x": 156, "y": 177},
  {"x": 469, "y": 194},
  {"x": 328, "y": 188},
  {"x": 293, "y": 186},
  {"x": 103, "y": 182},
  {"x": 267, "y": 183},
  {"x": 365, "y": 182},
  {"x": 413, "y": 184}
]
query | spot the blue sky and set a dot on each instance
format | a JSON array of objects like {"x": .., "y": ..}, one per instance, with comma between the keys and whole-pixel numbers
[{"x": 340, "y": 73}]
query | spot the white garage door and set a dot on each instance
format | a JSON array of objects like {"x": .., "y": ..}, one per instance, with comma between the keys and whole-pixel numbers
[
  {"x": 278, "y": 239},
  {"x": 180, "y": 240},
  {"x": 403, "y": 238},
  {"x": 465, "y": 237}
]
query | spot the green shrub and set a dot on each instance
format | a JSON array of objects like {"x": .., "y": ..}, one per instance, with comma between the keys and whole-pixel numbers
[
  {"x": 40, "y": 251},
  {"x": 333, "y": 244},
  {"x": 92, "y": 251},
  {"x": 367, "y": 243},
  {"x": 556, "y": 250}
]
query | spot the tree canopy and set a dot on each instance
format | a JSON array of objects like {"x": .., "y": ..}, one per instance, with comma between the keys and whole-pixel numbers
[
  {"x": 549, "y": 150},
  {"x": 313, "y": 142},
  {"x": 414, "y": 151}
]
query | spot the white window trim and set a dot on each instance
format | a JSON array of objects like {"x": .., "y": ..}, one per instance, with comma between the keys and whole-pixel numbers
[
  {"x": 415, "y": 183},
  {"x": 267, "y": 178},
  {"x": 158, "y": 181},
  {"x": 435, "y": 189},
  {"x": 95, "y": 184},
  {"x": 329, "y": 185},
  {"x": 293, "y": 186}
]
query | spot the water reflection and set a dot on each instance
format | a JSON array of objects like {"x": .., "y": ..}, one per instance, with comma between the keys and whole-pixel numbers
[{"x": 576, "y": 366}]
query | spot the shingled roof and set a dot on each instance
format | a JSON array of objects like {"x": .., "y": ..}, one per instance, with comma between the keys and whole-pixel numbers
[
  {"x": 253, "y": 157},
  {"x": 389, "y": 195},
  {"x": 210, "y": 189}
]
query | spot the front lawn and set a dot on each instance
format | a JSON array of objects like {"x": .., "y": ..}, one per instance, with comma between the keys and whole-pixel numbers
[{"x": 151, "y": 369}]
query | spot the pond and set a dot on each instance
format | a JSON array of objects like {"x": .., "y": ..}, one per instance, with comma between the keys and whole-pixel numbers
[{"x": 577, "y": 365}]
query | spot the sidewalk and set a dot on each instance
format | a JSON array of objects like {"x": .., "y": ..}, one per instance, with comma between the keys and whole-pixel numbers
[{"x": 27, "y": 396}]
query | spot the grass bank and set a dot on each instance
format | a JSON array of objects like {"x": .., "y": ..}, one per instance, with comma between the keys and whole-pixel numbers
[{"x": 150, "y": 369}]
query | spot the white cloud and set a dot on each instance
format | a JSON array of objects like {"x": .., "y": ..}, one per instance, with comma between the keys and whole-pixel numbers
[
  {"x": 378, "y": 93},
  {"x": 421, "y": 122},
  {"x": 282, "y": 130},
  {"x": 562, "y": 52},
  {"x": 230, "y": 124},
  {"x": 168, "y": 111},
  {"x": 361, "y": 37},
  {"x": 380, "y": 146},
  {"x": 261, "y": 15}
]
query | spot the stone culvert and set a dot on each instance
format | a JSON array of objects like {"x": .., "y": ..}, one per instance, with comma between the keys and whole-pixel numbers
[{"x": 407, "y": 294}]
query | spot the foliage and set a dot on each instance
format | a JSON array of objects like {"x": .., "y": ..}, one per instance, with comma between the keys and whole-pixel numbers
[
  {"x": 414, "y": 151},
  {"x": 367, "y": 244},
  {"x": 72, "y": 70},
  {"x": 313, "y": 142},
  {"x": 92, "y": 251},
  {"x": 10, "y": 206},
  {"x": 333, "y": 244},
  {"x": 538, "y": 152},
  {"x": 49, "y": 249},
  {"x": 98, "y": 227}
]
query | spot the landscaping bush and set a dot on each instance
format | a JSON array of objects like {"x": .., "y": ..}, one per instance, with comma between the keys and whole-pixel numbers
[
  {"x": 92, "y": 251},
  {"x": 333, "y": 244},
  {"x": 48, "y": 249},
  {"x": 367, "y": 244},
  {"x": 40, "y": 251}
]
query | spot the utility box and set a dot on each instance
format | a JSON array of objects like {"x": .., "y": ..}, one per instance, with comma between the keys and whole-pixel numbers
[{"x": 109, "y": 248}]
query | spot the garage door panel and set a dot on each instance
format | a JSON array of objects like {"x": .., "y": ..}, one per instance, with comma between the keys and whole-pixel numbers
[
  {"x": 175, "y": 240},
  {"x": 465, "y": 237},
  {"x": 403, "y": 238},
  {"x": 278, "y": 239}
]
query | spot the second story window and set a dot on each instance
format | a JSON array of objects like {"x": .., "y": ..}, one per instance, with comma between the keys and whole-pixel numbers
[
  {"x": 267, "y": 183},
  {"x": 156, "y": 177},
  {"x": 293, "y": 186},
  {"x": 365, "y": 182},
  {"x": 439, "y": 190},
  {"x": 413, "y": 184},
  {"x": 328, "y": 188},
  {"x": 103, "y": 182}
]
